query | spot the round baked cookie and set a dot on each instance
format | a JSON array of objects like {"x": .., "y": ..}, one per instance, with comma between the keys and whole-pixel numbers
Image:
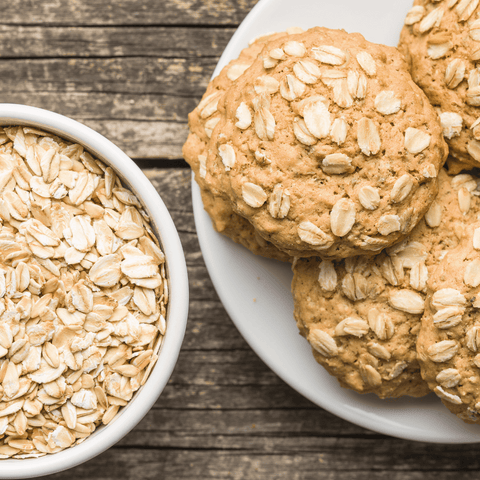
[
  {"x": 327, "y": 146},
  {"x": 202, "y": 121},
  {"x": 441, "y": 41},
  {"x": 449, "y": 340},
  {"x": 362, "y": 315}
]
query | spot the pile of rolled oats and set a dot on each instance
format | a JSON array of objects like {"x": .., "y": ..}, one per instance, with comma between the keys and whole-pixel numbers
[{"x": 83, "y": 294}]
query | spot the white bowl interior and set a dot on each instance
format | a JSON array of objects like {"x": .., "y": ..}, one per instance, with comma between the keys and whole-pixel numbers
[{"x": 177, "y": 309}]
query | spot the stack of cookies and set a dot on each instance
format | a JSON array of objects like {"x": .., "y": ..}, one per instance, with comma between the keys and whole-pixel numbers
[{"x": 324, "y": 150}]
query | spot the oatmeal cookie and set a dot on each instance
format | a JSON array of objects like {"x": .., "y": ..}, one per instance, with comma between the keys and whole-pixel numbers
[
  {"x": 326, "y": 146},
  {"x": 362, "y": 315},
  {"x": 202, "y": 121},
  {"x": 449, "y": 340},
  {"x": 441, "y": 41}
]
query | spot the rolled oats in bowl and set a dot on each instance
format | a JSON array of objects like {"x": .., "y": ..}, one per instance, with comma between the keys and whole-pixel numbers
[{"x": 83, "y": 293}]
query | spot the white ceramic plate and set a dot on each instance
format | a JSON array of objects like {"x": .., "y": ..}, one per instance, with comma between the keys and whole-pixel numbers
[{"x": 256, "y": 291}]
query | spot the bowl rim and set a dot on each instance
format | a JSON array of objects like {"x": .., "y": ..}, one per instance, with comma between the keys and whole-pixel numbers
[{"x": 146, "y": 396}]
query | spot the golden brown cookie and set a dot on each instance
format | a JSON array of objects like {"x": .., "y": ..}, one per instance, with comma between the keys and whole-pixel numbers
[
  {"x": 362, "y": 315},
  {"x": 327, "y": 146},
  {"x": 441, "y": 40},
  {"x": 342, "y": 309},
  {"x": 449, "y": 340},
  {"x": 202, "y": 122}
]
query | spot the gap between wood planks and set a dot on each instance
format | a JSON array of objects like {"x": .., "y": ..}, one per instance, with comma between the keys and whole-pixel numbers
[{"x": 158, "y": 163}]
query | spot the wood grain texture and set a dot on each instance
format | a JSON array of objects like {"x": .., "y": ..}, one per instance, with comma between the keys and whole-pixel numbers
[
  {"x": 136, "y": 75},
  {"x": 132, "y": 70},
  {"x": 139, "y": 103},
  {"x": 125, "y": 12},
  {"x": 137, "y": 87},
  {"x": 225, "y": 415},
  {"x": 143, "y": 139},
  {"x": 63, "y": 42},
  {"x": 337, "y": 461}
]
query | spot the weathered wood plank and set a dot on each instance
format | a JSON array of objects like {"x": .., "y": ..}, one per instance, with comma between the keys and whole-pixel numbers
[
  {"x": 174, "y": 186},
  {"x": 227, "y": 367},
  {"x": 143, "y": 139},
  {"x": 341, "y": 460},
  {"x": 340, "y": 449},
  {"x": 163, "y": 427},
  {"x": 140, "y": 139},
  {"x": 210, "y": 328},
  {"x": 46, "y": 42},
  {"x": 180, "y": 81},
  {"x": 277, "y": 445},
  {"x": 136, "y": 75},
  {"x": 193, "y": 255},
  {"x": 232, "y": 397},
  {"x": 100, "y": 106},
  {"x": 201, "y": 287},
  {"x": 126, "y": 12}
]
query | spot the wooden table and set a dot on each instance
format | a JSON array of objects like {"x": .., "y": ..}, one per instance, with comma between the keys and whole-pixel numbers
[{"x": 133, "y": 69}]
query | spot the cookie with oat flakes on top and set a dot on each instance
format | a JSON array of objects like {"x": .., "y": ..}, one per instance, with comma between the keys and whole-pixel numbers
[
  {"x": 441, "y": 41},
  {"x": 449, "y": 340},
  {"x": 327, "y": 146},
  {"x": 362, "y": 315},
  {"x": 202, "y": 122}
]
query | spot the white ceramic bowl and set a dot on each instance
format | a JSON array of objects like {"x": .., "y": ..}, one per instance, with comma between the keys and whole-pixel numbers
[{"x": 143, "y": 400}]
